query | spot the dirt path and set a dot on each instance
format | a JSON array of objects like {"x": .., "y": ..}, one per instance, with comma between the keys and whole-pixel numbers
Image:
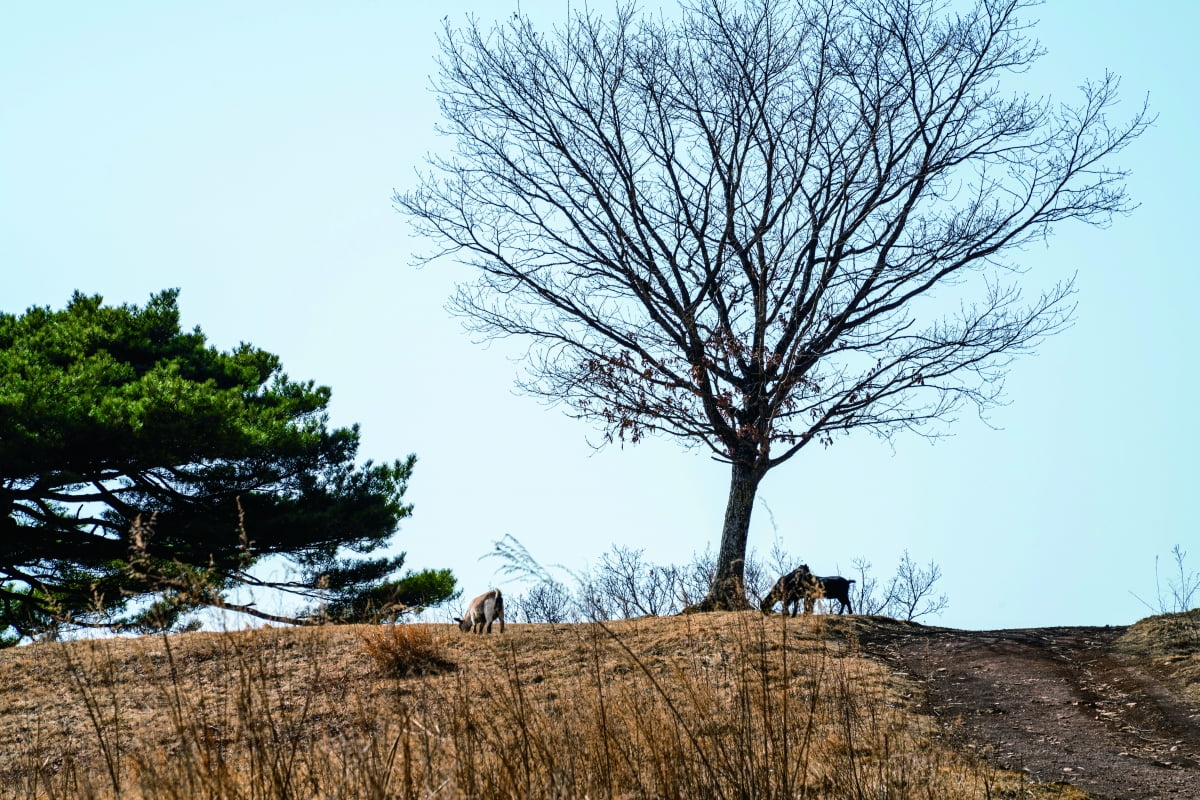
[{"x": 1059, "y": 703}]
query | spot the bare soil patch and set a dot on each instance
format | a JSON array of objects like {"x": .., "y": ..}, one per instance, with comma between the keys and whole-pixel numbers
[{"x": 1113, "y": 711}]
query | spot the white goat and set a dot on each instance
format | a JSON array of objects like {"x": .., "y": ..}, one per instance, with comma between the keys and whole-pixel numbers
[{"x": 483, "y": 610}]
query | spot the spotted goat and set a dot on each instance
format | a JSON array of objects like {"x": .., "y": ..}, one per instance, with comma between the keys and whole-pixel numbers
[{"x": 484, "y": 610}]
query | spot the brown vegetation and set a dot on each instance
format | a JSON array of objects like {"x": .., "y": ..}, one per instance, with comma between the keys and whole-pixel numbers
[{"x": 720, "y": 705}]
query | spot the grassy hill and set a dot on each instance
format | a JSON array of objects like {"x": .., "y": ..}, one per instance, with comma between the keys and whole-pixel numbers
[{"x": 705, "y": 706}]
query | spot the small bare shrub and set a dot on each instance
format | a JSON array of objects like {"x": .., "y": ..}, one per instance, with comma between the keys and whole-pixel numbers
[
  {"x": 1182, "y": 590},
  {"x": 549, "y": 601},
  {"x": 633, "y": 586},
  {"x": 865, "y": 590},
  {"x": 909, "y": 595},
  {"x": 406, "y": 650},
  {"x": 624, "y": 585},
  {"x": 911, "y": 592}
]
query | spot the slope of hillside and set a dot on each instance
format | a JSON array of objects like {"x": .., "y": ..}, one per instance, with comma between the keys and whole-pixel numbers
[
  {"x": 1114, "y": 710},
  {"x": 715, "y": 705}
]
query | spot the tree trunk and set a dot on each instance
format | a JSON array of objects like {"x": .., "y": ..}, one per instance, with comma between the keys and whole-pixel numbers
[{"x": 728, "y": 590}]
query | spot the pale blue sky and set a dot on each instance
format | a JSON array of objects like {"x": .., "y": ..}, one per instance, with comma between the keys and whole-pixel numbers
[{"x": 247, "y": 152}]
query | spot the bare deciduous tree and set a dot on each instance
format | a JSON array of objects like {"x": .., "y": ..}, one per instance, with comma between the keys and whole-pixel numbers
[{"x": 760, "y": 225}]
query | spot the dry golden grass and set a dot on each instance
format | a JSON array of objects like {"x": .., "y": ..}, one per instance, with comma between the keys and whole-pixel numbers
[
  {"x": 406, "y": 651},
  {"x": 1173, "y": 642},
  {"x": 714, "y": 705}
]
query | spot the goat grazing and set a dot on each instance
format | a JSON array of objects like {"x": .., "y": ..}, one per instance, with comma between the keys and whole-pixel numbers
[
  {"x": 484, "y": 610},
  {"x": 801, "y": 584}
]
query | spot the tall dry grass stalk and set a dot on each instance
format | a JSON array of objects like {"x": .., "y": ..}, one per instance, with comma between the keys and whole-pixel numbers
[{"x": 716, "y": 706}]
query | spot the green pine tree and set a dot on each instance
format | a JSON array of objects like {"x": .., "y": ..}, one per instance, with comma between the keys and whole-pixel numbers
[{"x": 144, "y": 473}]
